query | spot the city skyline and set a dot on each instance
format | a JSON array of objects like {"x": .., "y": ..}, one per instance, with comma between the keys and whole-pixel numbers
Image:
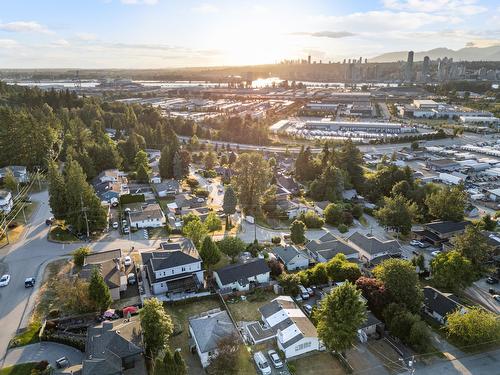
[{"x": 163, "y": 34}]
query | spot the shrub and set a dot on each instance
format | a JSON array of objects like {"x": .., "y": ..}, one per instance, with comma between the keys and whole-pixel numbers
[
  {"x": 276, "y": 267},
  {"x": 79, "y": 256},
  {"x": 192, "y": 182},
  {"x": 132, "y": 198},
  {"x": 333, "y": 214},
  {"x": 357, "y": 211},
  {"x": 200, "y": 192},
  {"x": 312, "y": 220},
  {"x": 276, "y": 240},
  {"x": 343, "y": 228},
  {"x": 347, "y": 218},
  {"x": 209, "y": 174}
]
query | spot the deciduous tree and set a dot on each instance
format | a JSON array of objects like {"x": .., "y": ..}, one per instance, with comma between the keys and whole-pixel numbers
[
  {"x": 452, "y": 271},
  {"x": 472, "y": 245},
  {"x": 447, "y": 203},
  {"x": 156, "y": 326},
  {"x": 232, "y": 246},
  {"x": 297, "y": 230}
]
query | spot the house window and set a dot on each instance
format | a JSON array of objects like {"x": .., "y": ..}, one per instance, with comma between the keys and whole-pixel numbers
[
  {"x": 183, "y": 269},
  {"x": 302, "y": 346},
  {"x": 172, "y": 272}
]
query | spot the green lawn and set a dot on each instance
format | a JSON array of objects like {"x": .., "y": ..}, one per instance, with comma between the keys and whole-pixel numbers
[
  {"x": 248, "y": 310},
  {"x": 321, "y": 363},
  {"x": 21, "y": 369},
  {"x": 57, "y": 233},
  {"x": 29, "y": 336},
  {"x": 224, "y": 261}
]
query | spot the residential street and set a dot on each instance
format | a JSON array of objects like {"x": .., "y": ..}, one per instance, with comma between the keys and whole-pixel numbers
[
  {"x": 27, "y": 258},
  {"x": 49, "y": 351}
]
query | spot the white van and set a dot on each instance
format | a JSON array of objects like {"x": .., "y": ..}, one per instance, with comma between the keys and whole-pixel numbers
[
  {"x": 262, "y": 364},
  {"x": 303, "y": 292}
]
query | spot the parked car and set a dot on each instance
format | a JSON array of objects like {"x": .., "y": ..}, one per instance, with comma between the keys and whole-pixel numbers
[
  {"x": 303, "y": 292},
  {"x": 496, "y": 297},
  {"x": 49, "y": 221},
  {"x": 424, "y": 245},
  {"x": 492, "y": 280},
  {"x": 262, "y": 363},
  {"x": 124, "y": 223},
  {"x": 62, "y": 362},
  {"x": 308, "y": 309},
  {"x": 127, "y": 261},
  {"x": 29, "y": 282},
  {"x": 131, "y": 278},
  {"x": 310, "y": 291},
  {"x": 415, "y": 243},
  {"x": 115, "y": 225},
  {"x": 275, "y": 359},
  {"x": 4, "y": 280},
  {"x": 126, "y": 230},
  {"x": 435, "y": 253}
]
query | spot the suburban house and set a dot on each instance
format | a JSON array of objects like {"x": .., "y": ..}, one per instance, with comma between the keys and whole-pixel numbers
[
  {"x": 241, "y": 277},
  {"x": 151, "y": 216},
  {"x": 292, "y": 208},
  {"x": 438, "y": 304},
  {"x": 320, "y": 207},
  {"x": 284, "y": 320},
  {"x": 291, "y": 257},
  {"x": 172, "y": 271},
  {"x": 110, "y": 185},
  {"x": 370, "y": 327},
  {"x": 109, "y": 264},
  {"x": 439, "y": 232},
  {"x": 349, "y": 194},
  {"x": 288, "y": 183},
  {"x": 186, "y": 201},
  {"x": 207, "y": 330},
  {"x": 6, "y": 202},
  {"x": 19, "y": 172},
  {"x": 370, "y": 248},
  {"x": 442, "y": 165},
  {"x": 224, "y": 172},
  {"x": 326, "y": 247},
  {"x": 282, "y": 194},
  {"x": 167, "y": 188},
  {"x": 115, "y": 347}
]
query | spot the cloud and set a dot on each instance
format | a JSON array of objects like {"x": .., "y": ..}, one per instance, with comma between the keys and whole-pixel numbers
[
  {"x": 139, "y": 2},
  {"x": 60, "y": 43},
  {"x": 7, "y": 43},
  {"x": 456, "y": 7},
  {"x": 206, "y": 8},
  {"x": 326, "y": 34},
  {"x": 86, "y": 36},
  {"x": 24, "y": 27}
]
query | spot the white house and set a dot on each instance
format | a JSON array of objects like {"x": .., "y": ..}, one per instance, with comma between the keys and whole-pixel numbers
[
  {"x": 167, "y": 188},
  {"x": 19, "y": 172},
  {"x": 370, "y": 248},
  {"x": 6, "y": 202},
  {"x": 150, "y": 216},
  {"x": 240, "y": 277},
  {"x": 294, "y": 332},
  {"x": 172, "y": 271},
  {"x": 328, "y": 246},
  {"x": 291, "y": 257},
  {"x": 207, "y": 330}
]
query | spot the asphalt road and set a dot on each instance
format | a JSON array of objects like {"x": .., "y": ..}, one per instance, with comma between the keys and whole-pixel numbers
[
  {"x": 48, "y": 351},
  {"x": 28, "y": 257}
]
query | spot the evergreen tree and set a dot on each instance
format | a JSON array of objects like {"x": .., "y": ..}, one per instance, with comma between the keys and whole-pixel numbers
[
  {"x": 57, "y": 192},
  {"x": 229, "y": 202},
  {"x": 156, "y": 325},
  {"x": 98, "y": 290},
  {"x": 209, "y": 252},
  {"x": 141, "y": 166},
  {"x": 177, "y": 167},
  {"x": 297, "y": 230}
]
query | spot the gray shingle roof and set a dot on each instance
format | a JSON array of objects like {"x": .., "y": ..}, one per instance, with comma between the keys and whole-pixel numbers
[
  {"x": 160, "y": 260},
  {"x": 444, "y": 227},
  {"x": 209, "y": 330},
  {"x": 286, "y": 253},
  {"x": 439, "y": 302},
  {"x": 373, "y": 245},
  {"x": 237, "y": 272}
]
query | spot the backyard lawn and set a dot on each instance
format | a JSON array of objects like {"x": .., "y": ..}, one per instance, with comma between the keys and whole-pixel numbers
[
  {"x": 248, "y": 310},
  {"x": 321, "y": 363},
  {"x": 21, "y": 369}
]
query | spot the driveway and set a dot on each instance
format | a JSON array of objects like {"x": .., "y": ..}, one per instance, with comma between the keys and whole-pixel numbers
[
  {"x": 48, "y": 351},
  {"x": 479, "y": 293}
]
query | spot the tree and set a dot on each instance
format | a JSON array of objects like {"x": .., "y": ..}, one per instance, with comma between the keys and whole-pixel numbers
[
  {"x": 9, "y": 181},
  {"x": 375, "y": 293},
  {"x": 397, "y": 213},
  {"x": 229, "y": 202},
  {"x": 225, "y": 360},
  {"x": 231, "y": 246},
  {"x": 340, "y": 269},
  {"x": 312, "y": 220},
  {"x": 171, "y": 364},
  {"x": 79, "y": 255},
  {"x": 297, "y": 230},
  {"x": 487, "y": 223},
  {"x": 447, "y": 203},
  {"x": 196, "y": 231},
  {"x": 419, "y": 336},
  {"x": 333, "y": 214},
  {"x": 276, "y": 267},
  {"x": 98, "y": 290},
  {"x": 252, "y": 175},
  {"x": 452, "y": 271},
  {"x": 156, "y": 326},
  {"x": 290, "y": 283},
  {"x": 209, "y": 252},
  {"x": 329, "y": 185},
  {"x": 210, "y": 160},
  {"x": 57, "y": 192},
  {"x": 340, "y": 315},
  {"x": 350, "y": 159},
  {"x": 472, "y": 245},
  {"x": 401, "y": 280},
  {"x": 476, "y": 327},
  {"x": 178, "y": 170},
  {"x": 213, "y": 222},
  {"x": 415, "y": 146},
  {"x": 141, "y": 166}
]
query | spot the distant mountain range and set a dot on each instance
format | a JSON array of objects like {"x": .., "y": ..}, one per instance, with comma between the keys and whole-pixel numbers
[{"x": 467, "y": 53}]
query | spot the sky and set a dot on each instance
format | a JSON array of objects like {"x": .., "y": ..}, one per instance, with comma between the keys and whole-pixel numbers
[{"x": 137, "y": 34}]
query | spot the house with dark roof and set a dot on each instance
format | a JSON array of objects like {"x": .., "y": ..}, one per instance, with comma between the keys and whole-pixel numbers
[
  {"x": 242, "y": 276},
  {"x": 439, "y": 232},
  {"x": 207, "y": 330},
  {"x": 438, "y": 304},
  {"x": 114, "y": 348},
  {"x": 291, "y": 257},
  {"x": 109, "y": 265},
  {"x": 320, "y": 207},
  {"x": 172, "y": 271},
  {"x": 150, "y": 216},
  {"x": 326, "y": 247},
  {"x": 283, "y": 320},
  {"x": 19, "y": 172},
  {"x": 370, "y": 248},
  {"x": 287, "y": 182},
  {"x": 167, "y": 188}
]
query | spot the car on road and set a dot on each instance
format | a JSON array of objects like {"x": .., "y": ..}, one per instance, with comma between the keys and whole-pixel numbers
[
  {"x": 127, "y": 261},
  {"x": 29, "y": 282},
  {"x": 435, "y": 253},
  {"x": 303, "y": 292},
  {"x": 492, "y": 280},
  {"x": 4, "y": 280},
  {"x": 115, "y": 225},
  {"x": 415, "y": 243},
  {"x": 62, "y": 362},
  {"x": 262, "y": 364},
  {"x": 49, "y": 221},
  {"x": 496, "y": 297},
  {"x": 275, "y": 359},
  {"x": 131, "y": 279},
  {"x": 126, "y": 230}
]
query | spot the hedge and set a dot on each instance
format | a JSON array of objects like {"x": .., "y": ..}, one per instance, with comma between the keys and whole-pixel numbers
[{"x": 129, "y": 198}]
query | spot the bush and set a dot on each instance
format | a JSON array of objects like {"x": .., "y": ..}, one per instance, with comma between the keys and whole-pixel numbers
[
  {"x": 347, "y": 218},
  {"x": 357, "y": 211},
  {"x": 276, "y": 240},
  {"x": 312, "y": 220},
  {"x": 79, "y": 256},
  {"x": 132, "y": 198},
  {"x": 201, "y": 193},
  {"x": 333, "y": 214},
  {"x": 343, "y": 228},
  {"x": 192, "y": 182},
  {"x": 209, "y": 174}
]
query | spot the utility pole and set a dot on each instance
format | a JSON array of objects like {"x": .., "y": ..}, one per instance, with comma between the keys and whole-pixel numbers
[{"x": 84, "y": 210}]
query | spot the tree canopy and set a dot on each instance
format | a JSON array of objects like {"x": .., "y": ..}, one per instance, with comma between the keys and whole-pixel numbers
[{"x": 156, "y": 326}]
